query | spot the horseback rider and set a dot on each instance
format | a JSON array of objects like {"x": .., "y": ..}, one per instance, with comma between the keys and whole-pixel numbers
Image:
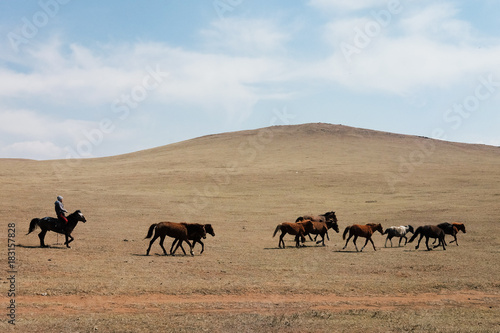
[{"x": 60, "y": 211}]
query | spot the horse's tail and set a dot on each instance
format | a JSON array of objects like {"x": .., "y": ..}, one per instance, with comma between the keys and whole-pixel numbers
[
  {"x": 150, "y": 231},
  {"x": 345, "y": 232},
  {"x": 415, "y": 234},
  {"x": 278, "y": 228},
  {"x": 33, "y": 225}
]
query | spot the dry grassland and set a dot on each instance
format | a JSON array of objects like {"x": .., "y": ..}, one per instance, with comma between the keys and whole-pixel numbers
[{"x": 244, "y": 184}]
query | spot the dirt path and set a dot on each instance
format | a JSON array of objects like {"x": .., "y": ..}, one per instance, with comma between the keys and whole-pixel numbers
[{"x": 249, "y": 303}]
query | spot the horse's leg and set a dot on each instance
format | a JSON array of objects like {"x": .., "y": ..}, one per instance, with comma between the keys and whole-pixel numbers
[
  {"x": 455, "y": 240},
  {"x": 151, "y": 243},
  {"x": 385, "y": 244},
  {"x": 202, "y": 245},
  {"x": 443, "y": 244},
  {"x": 68, "y": 241},
  {"x": 173, "y": 244},
  {"x": 354, "y": 241},
  {"x": 162, "y": 239},
  {"x": 347, "y": 241},
  {"x": 322, "y": 241},
  {"x": 180, "y": 245},
  {"x": 367, "y": 239},
  {"x": 281, "y": 240},
  {"x": 41, "y": 235},
  {"x": 418, "y": 244},
  {"x": 427, "y": 243},
  {"x": 373, "y": 244}
]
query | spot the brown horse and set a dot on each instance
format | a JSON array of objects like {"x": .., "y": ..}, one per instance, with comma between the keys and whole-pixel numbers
[
  {"x": 195, "y": 233},
  {"x": 319, "y": 228},
  {"x": 328, "y": 216},
  {"x": 171, "y": 229},
  {"x": 296, "y": 229},
  {"x": 452, "y": 229},
  {"x": 366, "y": 231},
  {"x": 429, "y": 231}
]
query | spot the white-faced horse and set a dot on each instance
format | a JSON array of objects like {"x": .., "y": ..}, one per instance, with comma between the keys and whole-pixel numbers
[{"x": 400, "y": 232}]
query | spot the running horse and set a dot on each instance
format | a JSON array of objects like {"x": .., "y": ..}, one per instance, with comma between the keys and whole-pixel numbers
[
  {"x": 326, "y": 217},
  {"x": 452, "y": 229},
  {"x": 365, "y": 231},
  {"x": 428, "y": 231},
  {"x": 319, "y": 229},
  {"x": 400, "y": 232},
  {"x": 295, "y": 229},
  {"x": 53, "y": 224}
]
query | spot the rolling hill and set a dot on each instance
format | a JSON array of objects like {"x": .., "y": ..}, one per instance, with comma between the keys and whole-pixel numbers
[{"x": 244, "y": 184}]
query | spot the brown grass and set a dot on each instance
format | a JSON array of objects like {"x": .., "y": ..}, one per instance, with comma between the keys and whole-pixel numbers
[{"x": 245, "y": 183}]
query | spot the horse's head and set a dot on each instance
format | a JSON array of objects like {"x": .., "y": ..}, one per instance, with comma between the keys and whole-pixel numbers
[
  {"x": 330, "y": 216},
  {"x": 410, "y": 229},
  {"x": 333, "y": 225},
  {"x": 79, "y": 216},
  {"x": 460, "y": 226},
  {"x": 209, "y": 229},
  {"x": 378, "y": 227},
  {"x": 200, "y": 230}
]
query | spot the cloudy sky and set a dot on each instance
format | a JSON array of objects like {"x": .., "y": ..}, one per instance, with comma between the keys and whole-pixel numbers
[{"x": 99, "y": 78}]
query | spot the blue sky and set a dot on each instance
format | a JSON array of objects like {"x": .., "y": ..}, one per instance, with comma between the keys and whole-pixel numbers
[{"x": 100, "y": 78}]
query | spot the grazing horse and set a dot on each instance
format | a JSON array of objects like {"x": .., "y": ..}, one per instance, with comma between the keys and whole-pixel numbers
[
  {"x": 319, "y": 228},
  {"x": 171, "y": 229},
  {"x": 452, "y": 229},
  {"x": 366, "y": 231},
  {"x": 400, "y": 232},
  {"x": 296, "y": 229},
  {"x": 429, "y": 231},
  {"x": 328, "y": 216},
  {"x": 53, "y": 224},
  {"x": 195, "y": 233}
]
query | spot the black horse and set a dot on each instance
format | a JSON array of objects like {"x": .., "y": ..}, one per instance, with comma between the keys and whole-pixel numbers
[
  {"x": 428, "y": 231},
  {"x": 53, "y": 224}
]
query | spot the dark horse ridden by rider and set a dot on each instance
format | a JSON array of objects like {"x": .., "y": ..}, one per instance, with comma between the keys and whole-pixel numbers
[{"x": 53, "y": 224}]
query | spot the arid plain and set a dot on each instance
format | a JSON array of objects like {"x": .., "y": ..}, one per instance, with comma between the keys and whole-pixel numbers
[{"x": 244, "y": 184}]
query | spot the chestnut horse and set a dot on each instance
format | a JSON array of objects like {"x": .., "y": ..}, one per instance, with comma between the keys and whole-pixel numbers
[
  {"x": 429, "y": 231},
  {"x": 195, "y": 234},
  {"x": 296, "y": 229},
  {"x": 328, "y": 216},
  {"x": 319, "y": 228},
  {"x": 171, "y": 229},
  {"x": 365, "y": 231},
  {"x": 452, "y": 229}
]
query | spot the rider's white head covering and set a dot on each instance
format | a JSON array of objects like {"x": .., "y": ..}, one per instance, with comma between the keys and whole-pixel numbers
[{"x": 59, "y": 198}]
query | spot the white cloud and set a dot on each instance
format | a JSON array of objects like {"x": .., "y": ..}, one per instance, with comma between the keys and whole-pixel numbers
[
  {"x": 428, "y": 47},
  {"x": 244, "y": 36},
  {"x": 34, "y": 149},
  {"x": 346, "y": 5},
  {"x": 30, "y": 124}
]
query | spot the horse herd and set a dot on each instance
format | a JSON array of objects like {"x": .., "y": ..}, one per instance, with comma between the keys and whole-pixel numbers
[
  {"x": 320, "y": 224},
  {"x": 306, "y": 225}
]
